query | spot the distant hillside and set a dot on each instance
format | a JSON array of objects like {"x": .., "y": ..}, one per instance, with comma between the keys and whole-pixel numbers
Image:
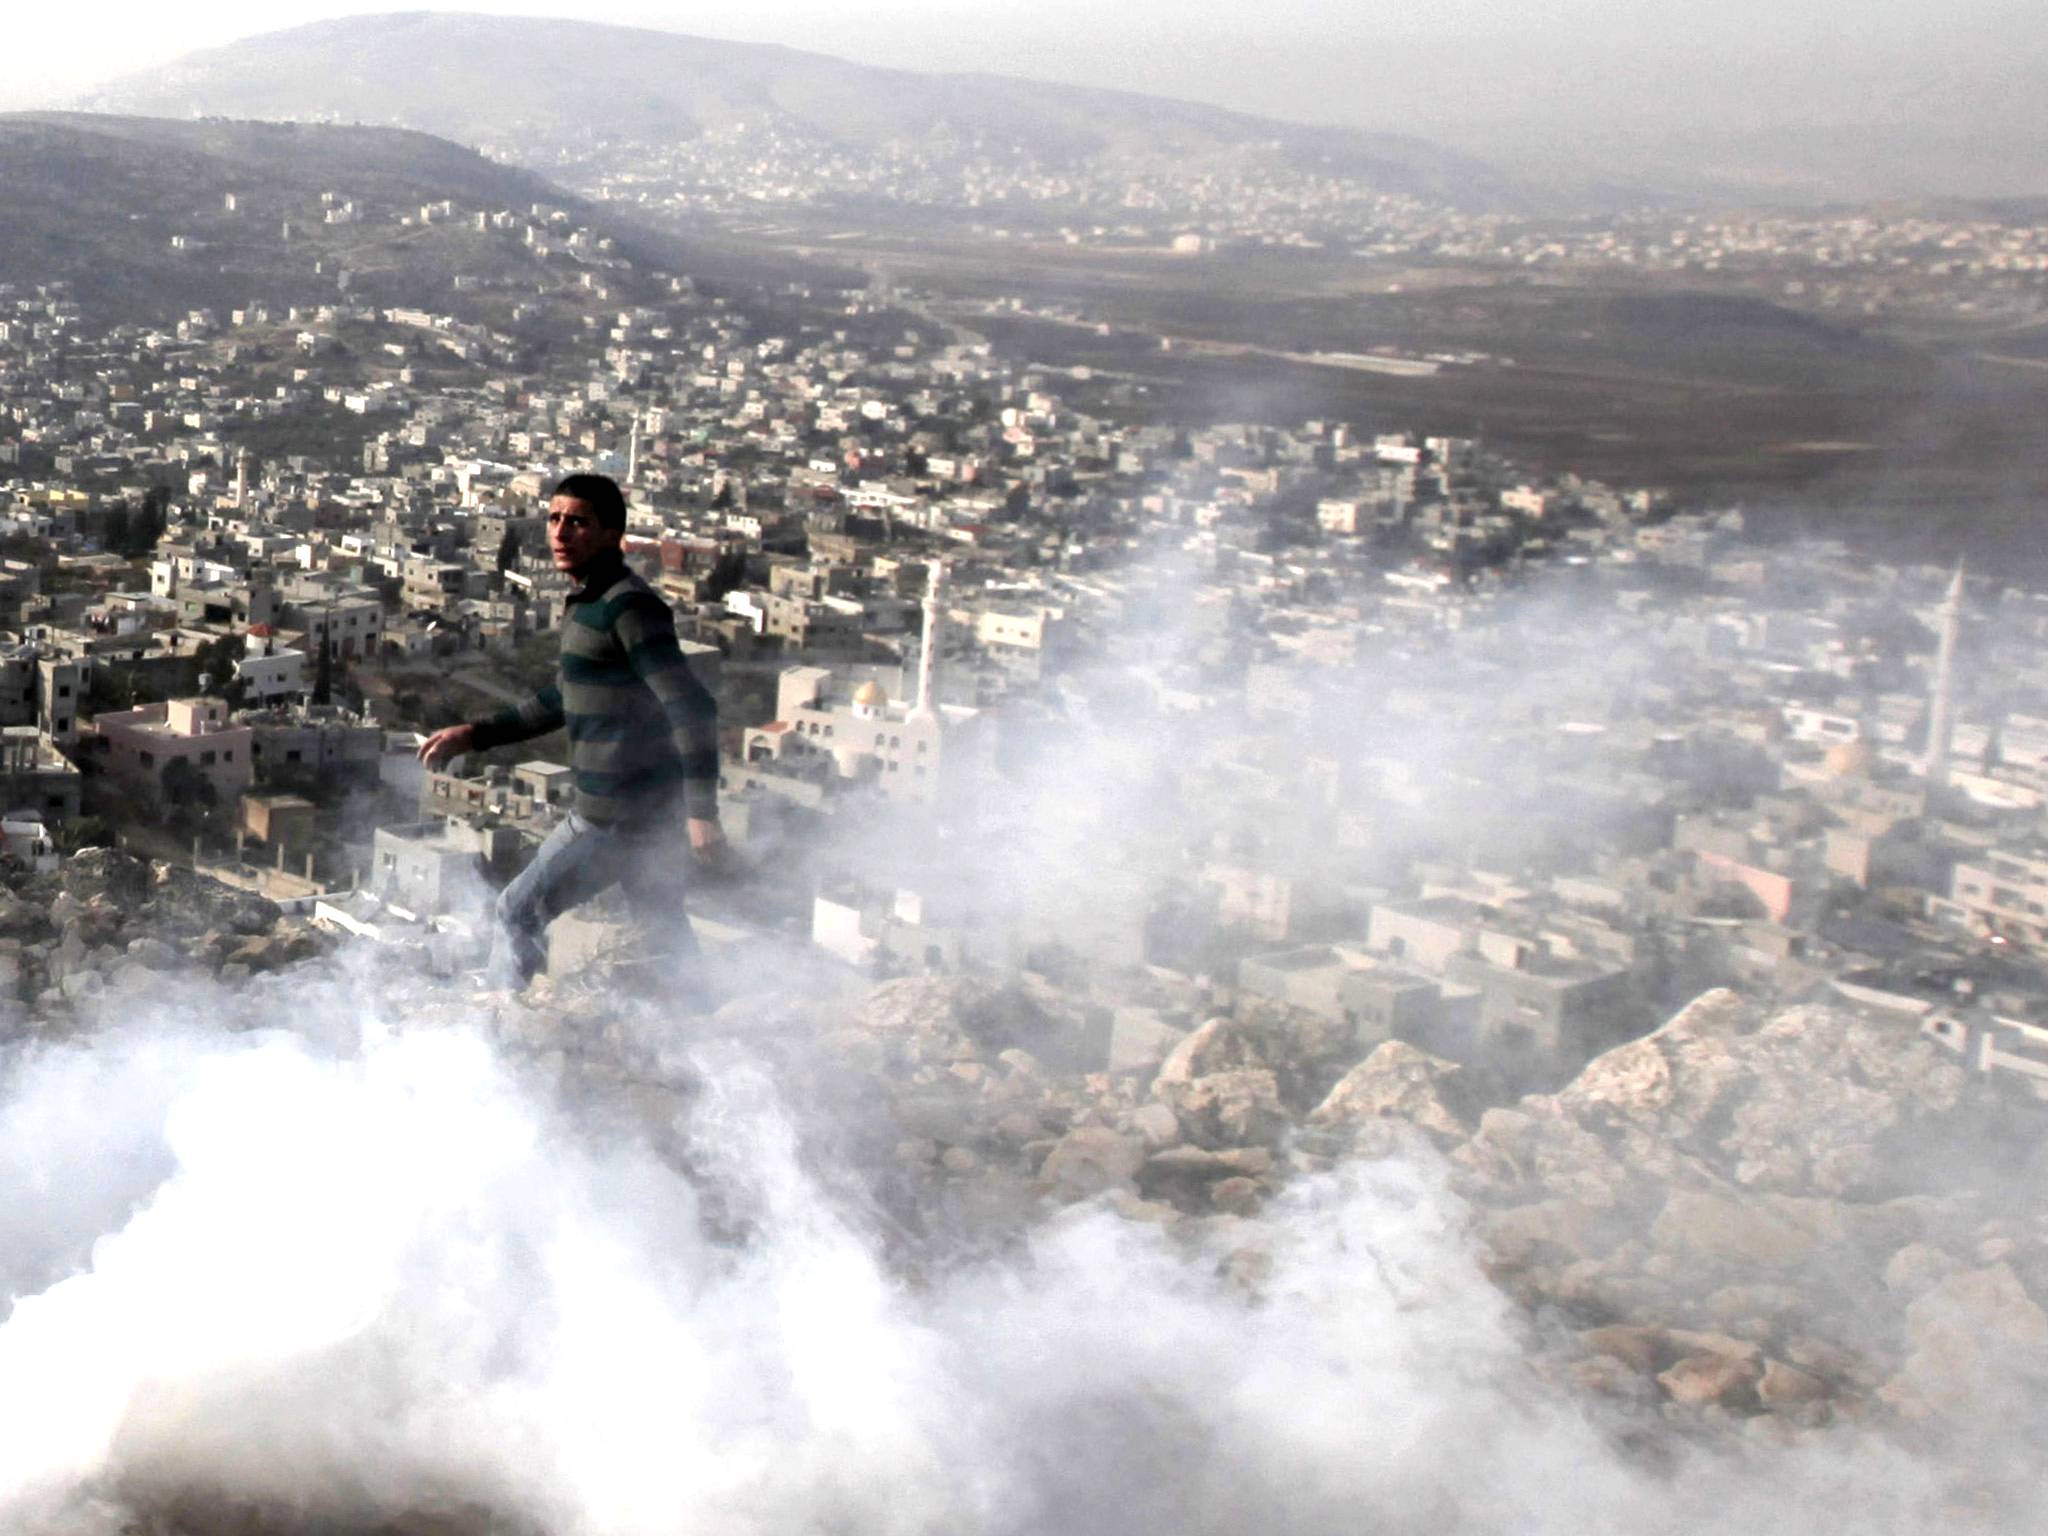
[
  {"x": 381, "y": 159},
  {"x": 134, "y": 211},
  {"x": 497, "y": 82}
]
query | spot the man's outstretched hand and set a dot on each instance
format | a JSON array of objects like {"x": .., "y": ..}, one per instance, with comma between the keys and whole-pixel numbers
[
  {"x": 450, "y": 741},
  {"x": 707, "y": 838}
]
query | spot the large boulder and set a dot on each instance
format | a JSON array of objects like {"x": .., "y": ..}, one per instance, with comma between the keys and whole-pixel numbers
[
  {"x": 186, "y": 904},
  {"x": 1731, "y": 1232},
  {"x": 1808, "y": 1102},
  {"x": 1090, "y": 1159},
  {"x": 105, "y": 872},
  {"x": 1401, "y": 1082},
  {"x": 1221, "y": 1088},
  {"x": 1975, "y": 1338},
  {"x": 934, "y": 1018}
]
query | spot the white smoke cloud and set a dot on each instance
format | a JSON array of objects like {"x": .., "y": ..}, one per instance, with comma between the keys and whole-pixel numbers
[{"x": 348, "y": 1281}]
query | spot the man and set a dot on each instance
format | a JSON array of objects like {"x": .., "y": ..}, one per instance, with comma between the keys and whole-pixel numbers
[{"x": 643, "y": 745}]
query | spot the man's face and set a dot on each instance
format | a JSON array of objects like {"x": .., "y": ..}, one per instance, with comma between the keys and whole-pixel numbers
[{"x": 574, "y": 536}]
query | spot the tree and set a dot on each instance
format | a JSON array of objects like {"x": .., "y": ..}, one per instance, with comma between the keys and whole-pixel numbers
[
  {"x": 188, "y": 794},
  {"x": 508, "y": 550},
  {"x": 148, "y": 525},
  {"x": 82, "y": 832},
  {"x": 215, "y": 660},
  {"x": 323, "y": 674}
]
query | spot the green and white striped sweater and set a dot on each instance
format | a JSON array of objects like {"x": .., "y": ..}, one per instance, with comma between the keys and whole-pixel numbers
[{"x": 640, "y": 724}]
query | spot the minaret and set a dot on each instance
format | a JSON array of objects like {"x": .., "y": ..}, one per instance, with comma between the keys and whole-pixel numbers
[
  {"x": 928, "y": 653},
  {"x": 1941, "y": 708},
  {"x": 241, "y": 479},
  {"x": 633, "y": 454}
]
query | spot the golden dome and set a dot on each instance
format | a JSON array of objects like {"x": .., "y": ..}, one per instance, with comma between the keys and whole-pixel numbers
[{"x": 870, "y": 695}]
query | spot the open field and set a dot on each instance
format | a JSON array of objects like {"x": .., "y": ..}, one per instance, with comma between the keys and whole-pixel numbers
[{"x": 1923, "y": 443}]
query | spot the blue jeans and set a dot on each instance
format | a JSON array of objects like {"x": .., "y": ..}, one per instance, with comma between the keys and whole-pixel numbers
[{"x": 577, "y": 861}]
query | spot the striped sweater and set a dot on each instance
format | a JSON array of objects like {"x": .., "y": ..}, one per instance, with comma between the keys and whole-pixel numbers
[{"x": 641, "y": 726}]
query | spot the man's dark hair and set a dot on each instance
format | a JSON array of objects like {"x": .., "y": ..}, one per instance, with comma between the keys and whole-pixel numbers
[{"x": 600, "y": 493}]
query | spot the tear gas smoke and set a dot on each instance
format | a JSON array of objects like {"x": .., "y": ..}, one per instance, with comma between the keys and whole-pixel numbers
[
  {"x": 353, "y": 1272},
  {"x": 366, "y": 1265}
]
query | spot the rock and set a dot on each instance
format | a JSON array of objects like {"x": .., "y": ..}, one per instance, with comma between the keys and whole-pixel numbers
[
  {"x": 1668, "y": 1080},
  {"x": 860, "y": 1056},
  {"x": 1741, "y": 1304},
  {"x": 1786, "y": 1386},
  {"x": 1606, "y": 1376},
  {"x": 1709, "y": 1377},
  {"x": 22, "y": 920},
  {"x": 184, "y": 903},
  {"x": 1090, "y": 1160},
  {"x": 1233, "y": 1104},
  {"x": 1640, "y": 1348},
  {"x": 1969, "y": 1334},
  {"x": 1400, "y": 1081},
  {"x": 1830, "y": 1361},
  {"x": 154, "y": 953},
  {"x": 1609, "y": 1287},
  {"x": 947, "y": 1116},
  {"x": 1251, "y": 1162},
  {"x": 1188, "y": 1175},
  {"x": 1990, "y": 1301},
  {"x": 1371, "y": 1140},
  {"x": 1729, "y": 1231},
  {"x": 912, "y": 1007},
  {"x": 1236, "y": 1196},
  {"x": 1997, "y": 1249},
  {"x": 958, "y": 1018},
  {"x": 1520, "y": 1233},
  {"x": 1156, "y": 1125},
  {"x": 1918, "y": 1266},
  {"x": 1132, "y": 1208},
  {"x": 1021, "y": 1062},
  {"x": 107, "y": 872},
  {"x": 1019, "y": 1128},
  {"x": 266, "y": 952},
  {"x": 1688, "y": 1341},
  {"x": 1539, "y": 1147},
  {"x": 1221, "y": 1045},
  {"x": 1807, "y": 1103}
]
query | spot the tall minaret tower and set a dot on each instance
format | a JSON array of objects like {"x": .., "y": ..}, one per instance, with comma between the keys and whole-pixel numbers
[
  {"x": 241, "y": 479},
  {"x": 633, "y": 453},
  {"x": 1941, "y": 708},
  {"x": 928, "y": 653}
]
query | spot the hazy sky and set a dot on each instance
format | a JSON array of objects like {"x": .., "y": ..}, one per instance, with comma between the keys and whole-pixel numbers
[{"x": 1956, "y": 78}]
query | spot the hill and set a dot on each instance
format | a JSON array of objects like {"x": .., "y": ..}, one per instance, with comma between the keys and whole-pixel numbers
[
  {"x": 147, "y": 217},
  {"x": 448, "y": 74}
]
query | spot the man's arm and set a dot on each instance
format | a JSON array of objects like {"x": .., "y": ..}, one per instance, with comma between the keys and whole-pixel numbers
[
  {"x": 647, "y": 632},
  {"x": 519, "y": 722}
]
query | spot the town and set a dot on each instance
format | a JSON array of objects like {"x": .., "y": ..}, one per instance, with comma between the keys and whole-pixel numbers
[
  {"x": 1982, "y": 269},
  {"x": 1378, "y": 727}
]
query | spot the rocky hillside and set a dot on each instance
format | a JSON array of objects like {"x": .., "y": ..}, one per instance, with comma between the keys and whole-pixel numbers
[
  {"x": 134, "y": 212},
  {"x": 1734, "y": 1218},
  {"x": 1807, "y": 1227},
  {"x": 1746, "y": 1216}
]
